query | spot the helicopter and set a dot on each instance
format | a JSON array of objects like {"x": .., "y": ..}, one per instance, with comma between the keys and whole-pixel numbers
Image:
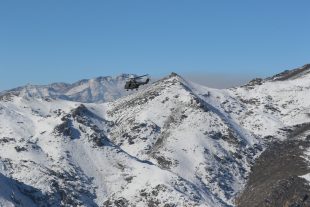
[{"x": 133, "y": 82}]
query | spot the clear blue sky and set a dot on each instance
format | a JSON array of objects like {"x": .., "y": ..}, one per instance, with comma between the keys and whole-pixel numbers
[{"x": 67, "y": 40}]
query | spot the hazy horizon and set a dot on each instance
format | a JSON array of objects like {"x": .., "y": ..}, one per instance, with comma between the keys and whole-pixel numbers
[{"x": 211, "y": 80}]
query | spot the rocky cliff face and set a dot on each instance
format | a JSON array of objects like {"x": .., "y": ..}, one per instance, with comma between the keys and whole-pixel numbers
[{"x": 173, "y": 143}]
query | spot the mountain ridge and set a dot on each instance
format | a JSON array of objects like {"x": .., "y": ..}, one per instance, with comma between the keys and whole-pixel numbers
[
  {"x": 172, "y": 143},
  {"x": 99, "y": 89},
  {"x": 67, "y": 91}
]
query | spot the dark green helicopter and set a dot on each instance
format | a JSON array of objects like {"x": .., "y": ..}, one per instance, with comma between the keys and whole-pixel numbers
[{"x": 134, "y": 83}]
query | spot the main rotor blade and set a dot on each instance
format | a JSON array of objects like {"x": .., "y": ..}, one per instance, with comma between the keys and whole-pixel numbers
[{"x": 141, "y": 76}]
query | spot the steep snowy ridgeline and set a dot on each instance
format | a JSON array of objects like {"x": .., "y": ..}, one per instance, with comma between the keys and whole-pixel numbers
[
  {"x": 99, "y": 89},
  {"x": 292, "y": 74},
  {"x": 273, "y": 105},
  {"x": 173, "y": 125}
]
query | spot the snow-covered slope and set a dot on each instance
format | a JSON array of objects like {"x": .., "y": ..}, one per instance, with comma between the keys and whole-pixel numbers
[
  {"x": 99, "y": 89},
  {"x": 173, "y": 143},
  {"x": 175, "y": 126},
  {"x": 274, "y": 103}
]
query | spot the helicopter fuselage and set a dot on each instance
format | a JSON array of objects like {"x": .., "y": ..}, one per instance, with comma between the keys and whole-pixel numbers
[{"x": 134, "y": 84}]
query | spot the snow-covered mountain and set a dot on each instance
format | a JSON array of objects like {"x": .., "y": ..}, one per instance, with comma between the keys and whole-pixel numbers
[
  {"x": 173, "y": 143},
  {"x": 101, "y": 89}
]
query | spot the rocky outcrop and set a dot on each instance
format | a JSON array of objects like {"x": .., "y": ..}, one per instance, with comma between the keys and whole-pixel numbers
[
  {"x": 276, "y": 177},
  {"x": 291, "y": 74}
]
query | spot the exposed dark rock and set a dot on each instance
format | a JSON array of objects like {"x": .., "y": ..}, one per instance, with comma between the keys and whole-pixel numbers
[
  {"x": 99, "y": 139},
  {"x": 20, "y": 149},
  {"x": 84, "y": 117},
  {"x": 252, "y": 101},
  {"x": 129, "y": 179},
  {"x": 271, "y": 108},
  {"x": 170, "y": 205},
  {"x": 121, "y": 202},
  {"x": 299, "y": 129},
  {"x": 153, "y": 203},
  {"x": 70, "y": 188},
  {"x": 275, "y": 178},
  {"x": 66, "y": 129},
  {"x": 231, "y": 137},
  {"x": 215, "y": 135},
  {"x": 58, "y": 112},
  {"x": 164, "y": 162},
  {"x": 173, "y": 74},
  {"x": 253, "y": 83},
  {"x": 7, "y": 140},
  {"x": 291, "y": 74}
]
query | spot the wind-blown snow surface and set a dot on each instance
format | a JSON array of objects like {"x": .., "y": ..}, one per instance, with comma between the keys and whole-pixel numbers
[{"x": 173, "y": 143}]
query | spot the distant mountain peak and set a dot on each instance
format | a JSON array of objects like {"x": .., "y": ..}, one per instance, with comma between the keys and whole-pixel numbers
[{"x": 99, "y": 89}]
